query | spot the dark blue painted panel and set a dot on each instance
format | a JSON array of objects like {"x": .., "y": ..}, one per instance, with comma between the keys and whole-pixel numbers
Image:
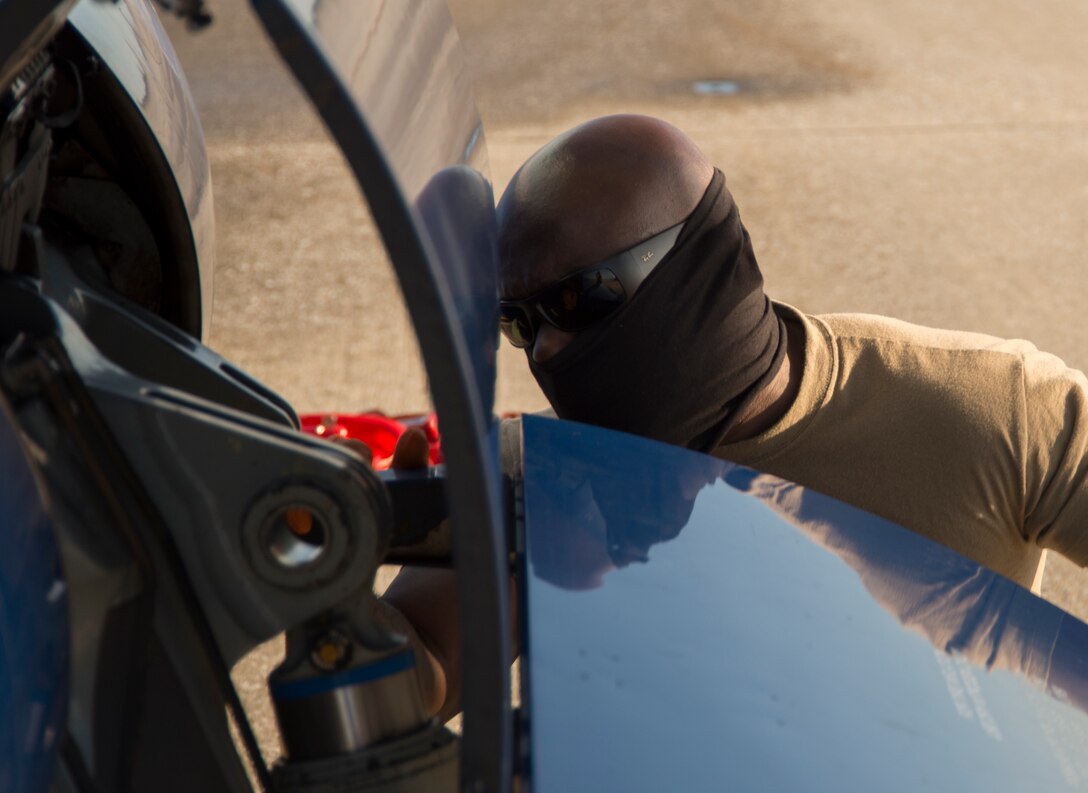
[
  {"x": 457, "y": 209},
  {"x": 694, "y": 625},
  {"x": 33, "y": 626},
  {"x": 403, "y": 64}
]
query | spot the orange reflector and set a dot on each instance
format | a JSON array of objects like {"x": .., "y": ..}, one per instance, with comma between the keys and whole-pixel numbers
[{"x": 329, "y": 653}]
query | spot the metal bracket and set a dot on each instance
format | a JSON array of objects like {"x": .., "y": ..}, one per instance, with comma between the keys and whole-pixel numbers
[
  {"x": 153, "y": 349},
  {"x": 227, "y": 484},
  {"x": 222, "y": 528}
]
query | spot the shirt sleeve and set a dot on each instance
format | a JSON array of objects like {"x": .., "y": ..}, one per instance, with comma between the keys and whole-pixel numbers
[{"x": 1055, "y": 432}]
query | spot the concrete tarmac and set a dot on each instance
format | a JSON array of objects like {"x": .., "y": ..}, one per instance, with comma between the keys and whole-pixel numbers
[{"x": 925, "y": 161}]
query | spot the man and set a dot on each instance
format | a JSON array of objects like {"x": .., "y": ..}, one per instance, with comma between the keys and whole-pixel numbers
[{"x": 630, "y": 281}]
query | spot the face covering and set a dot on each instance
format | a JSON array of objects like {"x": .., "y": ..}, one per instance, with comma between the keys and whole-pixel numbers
[{"x": 682, "y": 358}]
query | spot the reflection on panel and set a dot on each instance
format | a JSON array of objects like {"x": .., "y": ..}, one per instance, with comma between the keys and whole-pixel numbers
[
  {"x": 403, "y": 63},
  {"x": 457, "y": 209},
  {"x": 694, "y": 625}
]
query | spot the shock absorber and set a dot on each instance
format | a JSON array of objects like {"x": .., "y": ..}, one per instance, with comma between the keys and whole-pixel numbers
[
  {"x": 334, "y": 696},
  {"x": 352, "y": 716}
]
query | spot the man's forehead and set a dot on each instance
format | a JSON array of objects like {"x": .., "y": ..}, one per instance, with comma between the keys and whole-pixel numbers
[
  {"x": 526, "y": 272},
  {"x": 587, "y": 196},
  {"x": 533, "y": 255}
]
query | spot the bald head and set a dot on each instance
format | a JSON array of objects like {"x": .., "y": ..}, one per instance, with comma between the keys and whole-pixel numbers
[{"x": 593, "y": 191}]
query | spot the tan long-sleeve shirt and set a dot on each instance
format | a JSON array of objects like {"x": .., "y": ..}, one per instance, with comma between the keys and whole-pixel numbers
[{"x": 977, "y": 442}]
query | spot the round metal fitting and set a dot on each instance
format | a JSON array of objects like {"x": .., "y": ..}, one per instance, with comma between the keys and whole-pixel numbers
[{"x": 295, "y": 537}]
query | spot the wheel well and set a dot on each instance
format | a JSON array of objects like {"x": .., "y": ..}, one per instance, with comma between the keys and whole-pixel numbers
[{"x": 111, "y": 187}]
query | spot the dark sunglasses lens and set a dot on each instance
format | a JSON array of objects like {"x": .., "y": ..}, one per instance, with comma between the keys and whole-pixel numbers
[
  {"x": 583, "y": 298},
  {"x": 515, "y": 326}
]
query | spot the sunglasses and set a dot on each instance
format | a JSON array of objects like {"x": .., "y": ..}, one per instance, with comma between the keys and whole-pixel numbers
[{"x": 588, "y": 295}]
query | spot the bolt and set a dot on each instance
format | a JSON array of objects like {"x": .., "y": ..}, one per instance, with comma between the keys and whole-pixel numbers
[{"x": 331, "y": 651}]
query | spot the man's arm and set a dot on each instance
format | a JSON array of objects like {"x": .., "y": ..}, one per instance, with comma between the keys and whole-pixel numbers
[
  {"x": 421, "y": 603},
  {"x": 1054, "y": 432}
]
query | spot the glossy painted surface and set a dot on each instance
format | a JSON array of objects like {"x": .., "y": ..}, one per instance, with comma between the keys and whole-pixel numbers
[
  {"x": 130, "y": 40},
  {"x": 758, "y": 636},
  {"x": 388, "y": 80},
  {"x": 33, "y": 626},
  {"x": 401, "y": 63}
]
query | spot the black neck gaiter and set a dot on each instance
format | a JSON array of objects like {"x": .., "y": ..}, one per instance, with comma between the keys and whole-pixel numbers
[{"x": 680, "y": 359}]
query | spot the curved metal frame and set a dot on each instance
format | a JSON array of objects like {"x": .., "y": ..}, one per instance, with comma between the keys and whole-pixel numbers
[
  {"x": 160, "y": 152},
  {"x": 469, "y": 436}
]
